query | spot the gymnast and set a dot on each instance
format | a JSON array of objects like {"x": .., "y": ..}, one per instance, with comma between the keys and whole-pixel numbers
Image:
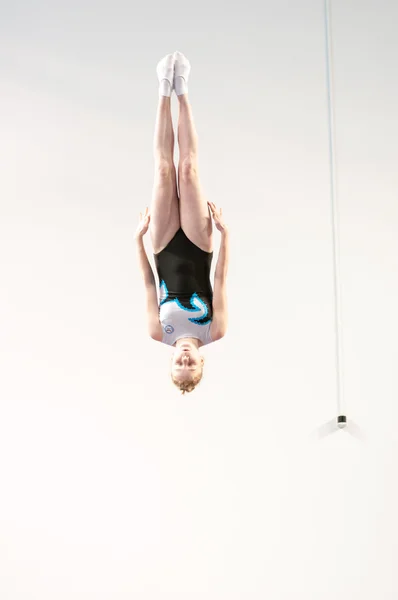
[{"x": 188, "y": 312}]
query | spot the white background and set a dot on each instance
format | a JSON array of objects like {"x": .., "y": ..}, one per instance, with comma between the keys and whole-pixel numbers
[{"x": 112, "y": 486}]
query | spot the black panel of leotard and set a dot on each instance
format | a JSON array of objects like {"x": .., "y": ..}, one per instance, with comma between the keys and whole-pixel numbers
[{"x": 185, "y": 270}]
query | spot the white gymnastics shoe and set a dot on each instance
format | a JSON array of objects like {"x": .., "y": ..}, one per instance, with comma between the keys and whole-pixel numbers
[
  {"x": 165, "y": 73},
  {"x": 182, "y": 68}
]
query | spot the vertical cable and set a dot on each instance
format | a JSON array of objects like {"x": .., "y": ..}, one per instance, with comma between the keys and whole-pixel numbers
[{"x": 334, "y": 211}]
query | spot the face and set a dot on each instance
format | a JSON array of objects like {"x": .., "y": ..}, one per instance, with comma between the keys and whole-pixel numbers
[{"x": 186, "y": 362}]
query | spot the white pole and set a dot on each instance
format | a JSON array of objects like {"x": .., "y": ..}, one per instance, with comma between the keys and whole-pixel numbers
[{"x": 341, "y": 418}]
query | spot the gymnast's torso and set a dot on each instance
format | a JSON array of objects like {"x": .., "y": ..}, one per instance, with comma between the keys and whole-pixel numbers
[{"x": 185, "y": 291}]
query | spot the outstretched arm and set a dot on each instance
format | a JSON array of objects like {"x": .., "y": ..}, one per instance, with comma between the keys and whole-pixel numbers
[
  {"x": 220, "y": 306},
  {"x": 143, "y": 262},
  {"x": 223, "y": 256},
  {"x": 151, "y": 295}
]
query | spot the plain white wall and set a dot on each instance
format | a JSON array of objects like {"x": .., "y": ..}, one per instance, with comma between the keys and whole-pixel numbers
[{"x": 112, "y": 485}]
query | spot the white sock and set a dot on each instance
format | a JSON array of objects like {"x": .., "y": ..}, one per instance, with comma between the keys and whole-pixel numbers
[
  {"x": 180, "y": 86},
  {"x": 182, "y": 68},
  {"x": 165, "y": 88},
  {"x": 165, "y": 73}
]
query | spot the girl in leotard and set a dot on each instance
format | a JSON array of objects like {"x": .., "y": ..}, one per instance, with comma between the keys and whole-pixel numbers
[{"x": 184, "y": 310}]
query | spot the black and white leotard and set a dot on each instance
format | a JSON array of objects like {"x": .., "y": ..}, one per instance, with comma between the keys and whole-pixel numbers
[{"x": 185, "y": 294}]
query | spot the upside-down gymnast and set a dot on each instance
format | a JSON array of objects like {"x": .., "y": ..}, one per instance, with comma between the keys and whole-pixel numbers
[{"x": 188, "y": 313}]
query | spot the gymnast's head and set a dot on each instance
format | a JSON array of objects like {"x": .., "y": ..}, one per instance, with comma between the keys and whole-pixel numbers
[{"x": 186, "y": 365}]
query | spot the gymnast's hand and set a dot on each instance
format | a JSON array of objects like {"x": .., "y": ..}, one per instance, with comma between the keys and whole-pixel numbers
[
  {"x": 217, "y": 217},
  {"x": 143, "y": 225}
]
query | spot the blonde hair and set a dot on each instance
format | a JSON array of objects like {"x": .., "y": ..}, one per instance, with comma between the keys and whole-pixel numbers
[{"x": 189, "y": 384}]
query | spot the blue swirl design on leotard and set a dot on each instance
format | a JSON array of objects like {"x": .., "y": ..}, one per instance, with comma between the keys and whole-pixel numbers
[{"x": 202, "y": 320}]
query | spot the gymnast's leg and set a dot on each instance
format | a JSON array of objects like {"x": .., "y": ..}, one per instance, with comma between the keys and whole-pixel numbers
[
  {"x": 195, "y": 216},
  {"x": 165, "y": 218}
]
